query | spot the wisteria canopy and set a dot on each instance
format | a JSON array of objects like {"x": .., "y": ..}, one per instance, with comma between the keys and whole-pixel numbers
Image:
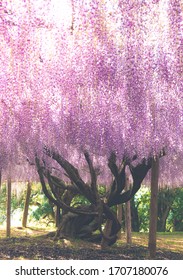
[{"x": 96, "y": 75}]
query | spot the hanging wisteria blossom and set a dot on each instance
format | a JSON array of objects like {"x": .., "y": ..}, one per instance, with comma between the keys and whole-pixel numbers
[{"x": 102, "y": 76}]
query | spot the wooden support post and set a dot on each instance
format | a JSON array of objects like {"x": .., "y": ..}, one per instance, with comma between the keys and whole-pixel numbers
[
  {"x": 0, "y": 179},
  {"x": 8, "y": 208},
  {"x": 26, "y": 206},
  {"x": 128, "y": 225},
  {"x": 153, "y": 207}
]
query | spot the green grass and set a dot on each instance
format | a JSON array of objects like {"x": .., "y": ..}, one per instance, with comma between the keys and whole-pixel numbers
[
  {"x": 34, "y": 243},
  {"x": 25, "y": 232},
  {"x": 172, "y": 241}
]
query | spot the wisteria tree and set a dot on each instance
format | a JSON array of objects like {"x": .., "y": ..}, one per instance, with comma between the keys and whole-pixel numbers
[{"x": 91, "y": 93}]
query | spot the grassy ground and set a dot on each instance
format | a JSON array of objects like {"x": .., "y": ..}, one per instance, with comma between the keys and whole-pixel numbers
[
  {"x": 25, "y": 232},
  {"x": 169, "y": 241},
  {"x": 33, "y": 243}
]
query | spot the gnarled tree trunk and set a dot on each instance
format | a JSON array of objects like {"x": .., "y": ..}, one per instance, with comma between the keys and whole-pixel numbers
[
  {"x": 119, "y": 217},
  {"x": 82, "y": 221}
]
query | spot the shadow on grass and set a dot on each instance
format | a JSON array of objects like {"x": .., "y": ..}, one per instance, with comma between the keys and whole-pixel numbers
[{"x": 32, "y": 244}]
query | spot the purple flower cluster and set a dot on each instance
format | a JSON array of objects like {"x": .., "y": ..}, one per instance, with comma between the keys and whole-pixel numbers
[{"x": 105, "y": 76}]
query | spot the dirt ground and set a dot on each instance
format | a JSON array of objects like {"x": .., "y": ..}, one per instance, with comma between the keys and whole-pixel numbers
[{"x": 40, "y": 246}]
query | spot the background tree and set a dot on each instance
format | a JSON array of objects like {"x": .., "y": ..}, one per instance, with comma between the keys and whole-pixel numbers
[
  {"x": 135, "y": 215},
  {"x": 166, "y": 198},
  {"x": 26, "y": 206},
  {"x": 176, "y": 211}
]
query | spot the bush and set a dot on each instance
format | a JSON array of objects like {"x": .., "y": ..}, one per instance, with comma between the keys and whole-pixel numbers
[
  {"x": 175, "y": 218},
  {"x": 142, "y": 203},
  {"x": 39, "y": 208}
]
